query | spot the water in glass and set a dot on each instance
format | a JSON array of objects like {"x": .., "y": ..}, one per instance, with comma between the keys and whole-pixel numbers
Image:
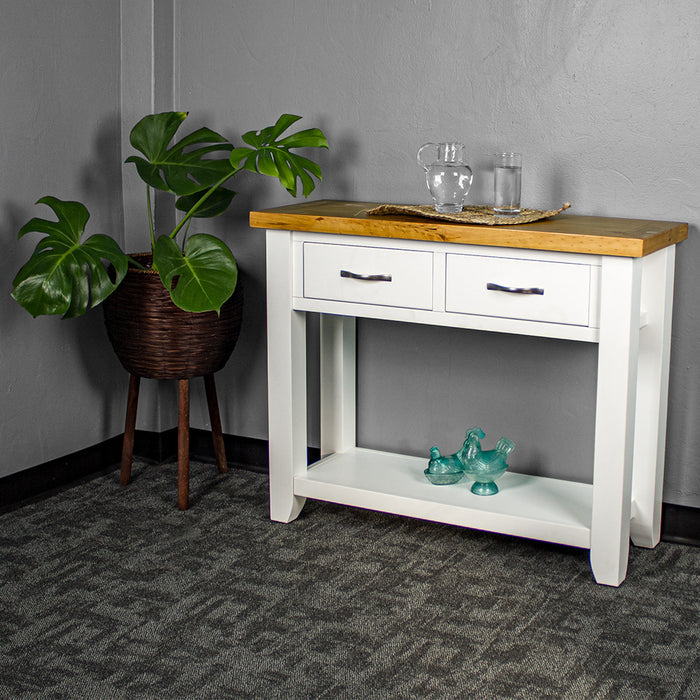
[{"x": 507, "y": 173}]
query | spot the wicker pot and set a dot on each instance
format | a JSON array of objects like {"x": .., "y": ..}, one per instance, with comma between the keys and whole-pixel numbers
[{"x": 154, "y": 338}]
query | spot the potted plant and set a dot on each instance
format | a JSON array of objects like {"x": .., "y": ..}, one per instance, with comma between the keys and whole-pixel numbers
[
  {"x": 185, "y": 274},
  {"x": 67, "y": 276},
  {"x": 173, "y": 312}
]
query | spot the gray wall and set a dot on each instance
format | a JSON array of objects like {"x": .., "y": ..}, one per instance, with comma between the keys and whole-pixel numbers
[
  {"x": 62, "y": 389},
  {"x": 600, "y": 97}
]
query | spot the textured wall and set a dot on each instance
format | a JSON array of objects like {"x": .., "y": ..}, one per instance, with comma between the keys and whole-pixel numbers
[
  {"x": 62, "y": 388},
  {"x": 601, "y": 98}
]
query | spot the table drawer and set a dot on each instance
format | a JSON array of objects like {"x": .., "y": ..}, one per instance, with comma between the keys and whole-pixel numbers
[
  {"x": 368, "y": 275},
  {"x": 534, "y": 290}
]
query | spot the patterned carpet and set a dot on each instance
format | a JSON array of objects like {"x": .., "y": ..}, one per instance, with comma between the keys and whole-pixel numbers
[{"x": 110, "y": 592}]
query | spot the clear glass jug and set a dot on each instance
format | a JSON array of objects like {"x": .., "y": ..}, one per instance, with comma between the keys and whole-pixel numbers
[{"x": 449, "y": 178}]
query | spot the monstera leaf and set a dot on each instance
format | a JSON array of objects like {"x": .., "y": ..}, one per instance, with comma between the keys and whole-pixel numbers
[
  {"x": 269, "y": 156},
  {"x": 65, "y": 276},
  {"x": 188, "y": 168},
  {"x": 206, "y": 273},
  {"x": 212, "y": 204}
]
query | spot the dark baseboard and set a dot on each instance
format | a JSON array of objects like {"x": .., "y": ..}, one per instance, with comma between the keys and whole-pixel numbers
[
  {"x": 679, "y": 524},
  {"x": 49, "y": 477},
  {"x": 241, "y": 452}
]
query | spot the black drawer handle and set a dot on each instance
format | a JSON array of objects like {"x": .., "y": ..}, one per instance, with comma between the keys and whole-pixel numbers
[
  {"x": 365, "y": 278},
  {"x": 514, "y": 290}
]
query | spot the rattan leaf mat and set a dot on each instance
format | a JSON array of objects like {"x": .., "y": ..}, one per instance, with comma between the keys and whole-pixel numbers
[{"x": 469, "y": 215}]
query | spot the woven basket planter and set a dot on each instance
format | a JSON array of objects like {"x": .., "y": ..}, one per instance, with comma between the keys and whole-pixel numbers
[{"x": 154, "y": 338}]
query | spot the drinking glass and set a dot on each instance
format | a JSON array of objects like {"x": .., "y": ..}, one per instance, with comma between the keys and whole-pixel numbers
[{"x": 507, "y": 176}]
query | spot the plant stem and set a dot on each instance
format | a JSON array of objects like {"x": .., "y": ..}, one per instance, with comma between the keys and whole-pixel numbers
[
  {"x": 150, "y": 216},
  {"x": 201, "y": 201},
  {"x": 184, "y": 238},
  {"x": 136, "y": 263}
]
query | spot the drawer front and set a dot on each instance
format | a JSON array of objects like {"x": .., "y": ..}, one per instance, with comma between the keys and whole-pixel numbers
[
  {"x": 368, "y": 275},
  {"x": 557, "y": 292}
]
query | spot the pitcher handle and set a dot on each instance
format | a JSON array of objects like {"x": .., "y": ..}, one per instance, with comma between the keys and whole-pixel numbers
[{"x": 419, "y": 156}]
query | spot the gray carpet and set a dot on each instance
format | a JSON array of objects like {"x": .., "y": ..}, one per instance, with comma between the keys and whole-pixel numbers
[{"x": 111, "y": 592}]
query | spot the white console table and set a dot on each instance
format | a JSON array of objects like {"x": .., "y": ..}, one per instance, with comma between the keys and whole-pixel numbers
[{"x": 604, "y": 280}]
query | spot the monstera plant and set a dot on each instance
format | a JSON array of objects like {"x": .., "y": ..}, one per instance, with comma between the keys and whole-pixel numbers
[{"x": 67, "y": 275}]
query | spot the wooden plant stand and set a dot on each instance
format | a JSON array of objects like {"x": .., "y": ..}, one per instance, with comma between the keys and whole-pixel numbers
[{"x": 183, "y": 434}]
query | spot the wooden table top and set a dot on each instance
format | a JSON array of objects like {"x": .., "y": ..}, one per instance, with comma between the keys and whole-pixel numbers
[{"x": 565, "y": 232}]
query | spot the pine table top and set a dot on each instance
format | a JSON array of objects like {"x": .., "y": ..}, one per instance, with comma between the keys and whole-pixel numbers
[{"x": 564, "y": 232}]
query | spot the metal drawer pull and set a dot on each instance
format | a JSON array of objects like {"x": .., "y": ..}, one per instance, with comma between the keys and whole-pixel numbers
[
  {"x": 366, "y": 278},
  {"x": 514, "y": 290}
]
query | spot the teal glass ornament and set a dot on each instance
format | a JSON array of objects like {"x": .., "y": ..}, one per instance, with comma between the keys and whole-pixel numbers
[
  {"x": 443, "y": 471},
  {"x": 485, "y": 466}
]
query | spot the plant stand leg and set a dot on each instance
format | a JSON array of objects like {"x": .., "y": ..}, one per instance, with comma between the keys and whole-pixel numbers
[
  {"x": 183, "y": 445},
  {"x": 129, "y": 429},
  {"x": 216, "y": 432}
]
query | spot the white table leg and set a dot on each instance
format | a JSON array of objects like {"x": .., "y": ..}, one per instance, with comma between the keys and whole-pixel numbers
[
  {"x": 652, "y": 398},
  {"x": 286, "y": 378},
  {"x": 337, "y": 383},
  {"x": 615, "y": 410}
]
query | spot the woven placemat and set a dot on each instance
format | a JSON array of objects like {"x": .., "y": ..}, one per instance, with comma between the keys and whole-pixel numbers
[{"x": 469, "y": 215}]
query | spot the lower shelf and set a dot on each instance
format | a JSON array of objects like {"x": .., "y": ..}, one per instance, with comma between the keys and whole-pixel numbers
[{"x": 538, "y": 508}]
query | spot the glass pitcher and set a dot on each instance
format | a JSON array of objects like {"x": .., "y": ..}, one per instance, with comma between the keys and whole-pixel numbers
[{"x": 449, "y": 178}]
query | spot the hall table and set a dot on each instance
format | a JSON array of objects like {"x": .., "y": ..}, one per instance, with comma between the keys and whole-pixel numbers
[{"x": 599, "y": 280}]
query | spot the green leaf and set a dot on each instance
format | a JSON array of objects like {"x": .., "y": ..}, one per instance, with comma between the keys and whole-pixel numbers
[
  {"x": 63, "y": 275},
  {"x": 273, "y": 157},
  {"x": 185, "y": 167},
  {"x": 306, "y": 181},
  {"x": 206, "y": 274},
  {"x": 238, "y": 154},
  {"x": 253, "y": 138},
  {"x": 266, "y": 164},
  {"x": 305, "y": 139},
  {"x": 282, "y": 124},
  {"x": 217, "y": 203},
  {"x": 284, "y": 172},
  {"x": 153, "y": 133}
]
